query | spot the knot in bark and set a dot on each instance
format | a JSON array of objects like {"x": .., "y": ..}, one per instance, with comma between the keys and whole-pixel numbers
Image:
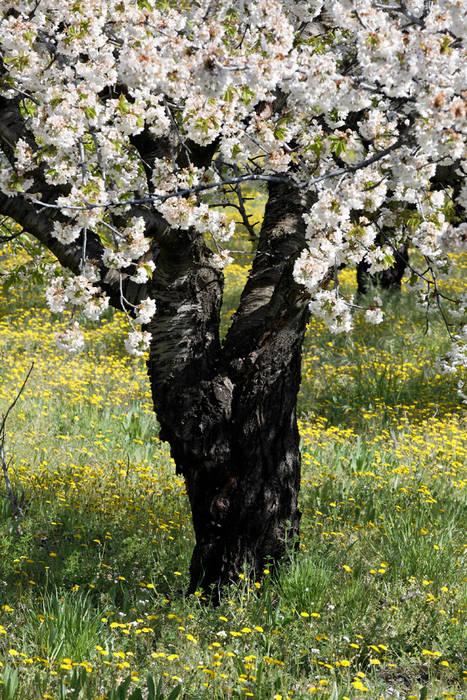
[{"x": 220, "y": 507}]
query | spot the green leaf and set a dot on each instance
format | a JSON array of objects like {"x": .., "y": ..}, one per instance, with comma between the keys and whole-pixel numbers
[
  {"x": 10, "y": 683},
  {"x": 123, "y": 104},
  {"x": 229, "y": 94},
  {"x": 151, "y": 687},
  {"x": 122, "y": 689},
  {"x": 175, "y": 693}
]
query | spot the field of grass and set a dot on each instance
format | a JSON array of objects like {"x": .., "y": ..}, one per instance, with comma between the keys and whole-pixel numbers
[{"x": 92, "y": 600}]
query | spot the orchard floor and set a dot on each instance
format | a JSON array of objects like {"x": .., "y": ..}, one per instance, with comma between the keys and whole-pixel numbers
[{"x": 91, "y": 589}]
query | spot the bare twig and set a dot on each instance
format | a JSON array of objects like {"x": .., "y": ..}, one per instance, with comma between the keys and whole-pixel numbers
[
  {"x": 438, "y": 296},
  {"x": 243, "y": 213},
  {"x": 17, "y": 501},
  {"x": 229, "y": 181},
  {"x": 11, "y": 235},
  {"x": 403, "y": 10}
]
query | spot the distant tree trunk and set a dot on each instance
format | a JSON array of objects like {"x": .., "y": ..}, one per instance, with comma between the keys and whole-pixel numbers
[
  {"x": 389, "y": 279},
  {"x": 229, "y": 412}
]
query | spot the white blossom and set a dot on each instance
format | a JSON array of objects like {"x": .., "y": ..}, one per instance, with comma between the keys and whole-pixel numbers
[
  {"x": 98, "y": 75},
  {"x": 71, "y": 339},
  {"x": 143, "y": 272},
  {"x": 333, "y": 309},
  {"x": 374, "y": 315},
  {"x": 95, "y": 307},
  {"x": 145, "y": 310},
  {"x": 221, "y": 259},
  {"x": 56, "y": 295},
  {"x": 66, "y": 233},
  {"x": 137, "y": 342}
]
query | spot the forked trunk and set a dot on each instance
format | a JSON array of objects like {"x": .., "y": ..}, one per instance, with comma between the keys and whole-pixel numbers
[{"x": 229, "y": 412}]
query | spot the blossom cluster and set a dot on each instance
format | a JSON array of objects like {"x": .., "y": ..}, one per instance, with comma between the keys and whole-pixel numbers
[
  {"x": 78, "y": 291},
  {"x": 355, "y": 103}
]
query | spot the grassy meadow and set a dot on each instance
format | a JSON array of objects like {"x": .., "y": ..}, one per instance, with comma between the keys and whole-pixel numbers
[{"x": 92, "y": 600}]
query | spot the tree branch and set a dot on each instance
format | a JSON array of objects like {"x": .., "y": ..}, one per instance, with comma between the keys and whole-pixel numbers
[
  {"x": 282, "y": 238},
  {"x": 17, "y": 503},
  {"x": 39, "y": 225},
  {"x": 251, "y": 177}
]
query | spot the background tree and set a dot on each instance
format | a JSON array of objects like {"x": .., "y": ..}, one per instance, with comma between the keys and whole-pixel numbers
[
  {"x": 389, "y": 279},
  {"x": 120, "y": 118},
  {"x": 447, "y": 178}
]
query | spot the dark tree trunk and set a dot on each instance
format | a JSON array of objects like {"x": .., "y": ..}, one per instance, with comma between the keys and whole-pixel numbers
[
  {"x": 229, "y": 412},
  {"x": 245, "y": 512}
]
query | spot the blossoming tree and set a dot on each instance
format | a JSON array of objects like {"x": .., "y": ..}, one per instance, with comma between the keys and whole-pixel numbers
[{"x": 122, "y": 121}]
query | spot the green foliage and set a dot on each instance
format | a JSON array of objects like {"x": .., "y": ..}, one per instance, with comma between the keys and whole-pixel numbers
[
  {"x": 9, "y": 686},
  {"x": 63, "y": 625}
]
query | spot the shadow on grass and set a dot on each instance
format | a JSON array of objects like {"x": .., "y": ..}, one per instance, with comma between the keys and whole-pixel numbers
[
  {"x": 387, "y": 396},
  {"x": 116, "y": 561}
]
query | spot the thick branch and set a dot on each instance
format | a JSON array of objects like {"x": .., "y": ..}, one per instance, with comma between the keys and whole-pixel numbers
[
  {"x": 183, "y": 153},
  {"x": 39, "y": 225},
  {"x": 185, "y": 347},
  {"x": 282, "y": 239},
  {"x": 37, "y": 216},
  {"x": 11, "y": 126}
]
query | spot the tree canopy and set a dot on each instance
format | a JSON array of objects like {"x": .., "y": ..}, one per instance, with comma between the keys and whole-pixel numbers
[
  {"x": 120, "y": 115},
  {"x": 123, "y": 121}
]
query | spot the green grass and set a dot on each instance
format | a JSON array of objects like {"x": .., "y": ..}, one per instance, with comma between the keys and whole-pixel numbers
[{"x": 92, "y": 601}]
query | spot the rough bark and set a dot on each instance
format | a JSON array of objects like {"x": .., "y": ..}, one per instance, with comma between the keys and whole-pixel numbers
[{"x": 229, "y": 413}]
